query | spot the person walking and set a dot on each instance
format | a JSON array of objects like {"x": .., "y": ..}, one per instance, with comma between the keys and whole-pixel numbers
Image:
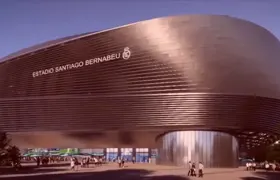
[
  {"x": 266, "y": 166},
  {"x": 273, "y": 166},
  {"x": 200, "y": 169},
  {"x": 254, "y": 166},
  {"x": 72, "y": 164},
  {"x": 122, "y": 162},
  {"x": 119, "y": 162},
  {"x": 193, "y": 171},
  {"x": 76, "y": 162},
  {"x": 247, "y": 166},
  {"x": 190, "y": 168}
]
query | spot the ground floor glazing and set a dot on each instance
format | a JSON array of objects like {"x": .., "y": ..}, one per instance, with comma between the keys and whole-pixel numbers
[
  {"x": 213, "y": 149},
  {"x": 141, "y": 155}
]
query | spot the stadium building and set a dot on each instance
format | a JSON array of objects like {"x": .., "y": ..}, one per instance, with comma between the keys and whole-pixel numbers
[{"x": 196, "y": 87}]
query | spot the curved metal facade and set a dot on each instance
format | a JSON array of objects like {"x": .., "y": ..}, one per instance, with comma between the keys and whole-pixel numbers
[
  {"x": 213, "y": 149},
  {"x": 176, "y": 73}
]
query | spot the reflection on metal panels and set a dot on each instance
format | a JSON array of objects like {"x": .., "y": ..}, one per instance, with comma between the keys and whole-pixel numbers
[
  {"x": 198, "y": 72},
  {"x": 213, "y": 149}
]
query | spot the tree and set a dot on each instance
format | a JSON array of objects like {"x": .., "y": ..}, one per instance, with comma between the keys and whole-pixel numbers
[
  {"x": 8, "y": 153},
  {"x": 13, "y": 155},
  {"x": 273, "y": 153},
  {"x": 4, "y": 145}
]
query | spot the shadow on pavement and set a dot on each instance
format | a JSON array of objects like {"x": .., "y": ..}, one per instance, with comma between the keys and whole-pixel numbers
[
  {"x": 223, "y": 172},
  {"x": 253, "y": 178},
  {"x": 122, "y": 174},
  {"x": 264, "y": 176},
  {"x": 27, "y": 170},
  {"x": 60, "y": 164}
]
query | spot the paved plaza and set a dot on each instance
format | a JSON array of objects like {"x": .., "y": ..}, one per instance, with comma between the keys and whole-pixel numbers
[{"x": 136, "y": 172}]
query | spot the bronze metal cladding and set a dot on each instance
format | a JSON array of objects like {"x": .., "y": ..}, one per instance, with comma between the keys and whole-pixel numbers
[{"x": 197, "y": 72}]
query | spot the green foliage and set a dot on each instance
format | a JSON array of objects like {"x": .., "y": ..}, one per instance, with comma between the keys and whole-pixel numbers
[
  {"x": 8, "y": 153},
  {"x": 273, "y": 153},
  {"x": 4, "y": 144},
  {"x": 13, "y": 155}
]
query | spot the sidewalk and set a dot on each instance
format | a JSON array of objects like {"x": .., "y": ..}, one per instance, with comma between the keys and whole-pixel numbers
[{"x": 141, "y": 172}]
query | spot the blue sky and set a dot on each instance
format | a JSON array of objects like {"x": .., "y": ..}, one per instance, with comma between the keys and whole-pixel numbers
[{"x": 24, "y": 23}]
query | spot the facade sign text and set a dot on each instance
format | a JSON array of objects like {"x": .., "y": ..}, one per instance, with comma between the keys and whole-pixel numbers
[{"x": 124, "y": 55}]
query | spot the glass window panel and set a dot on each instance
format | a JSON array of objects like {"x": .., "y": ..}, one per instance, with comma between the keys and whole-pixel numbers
[
  {"x": 126, "y": 153},
  {"x": 142, "y": 157},
  {"x": 112, "y": 149},
  {"x": 111, "y": 156}
]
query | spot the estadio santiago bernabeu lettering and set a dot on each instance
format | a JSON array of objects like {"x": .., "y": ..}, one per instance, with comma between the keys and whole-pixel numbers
[{"x": 125, "y": 54}]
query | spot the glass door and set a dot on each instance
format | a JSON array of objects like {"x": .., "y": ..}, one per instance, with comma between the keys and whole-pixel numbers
[
  {"x": 142, "y": 155},
  {"x": 112, "y": 154},
  {"x": 126, "y": 153}
]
